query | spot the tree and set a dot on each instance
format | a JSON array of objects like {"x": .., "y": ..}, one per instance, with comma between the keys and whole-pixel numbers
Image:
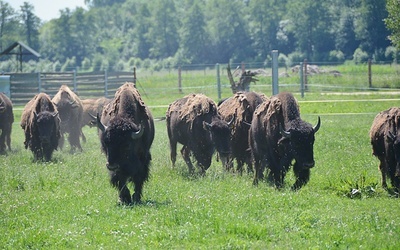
[
  {"x": 371, "y": 29},
  {"x": 31, "y": 25},
  {"x": 311, "y": 25},
  {"x": 163, "y": 32},
  {"x": 10, "y": 30},
  {"x": 194, "y": 38},
  {"x": 393, "y": 21}
]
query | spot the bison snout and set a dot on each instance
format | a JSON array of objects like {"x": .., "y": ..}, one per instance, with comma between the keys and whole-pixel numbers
[
  {"x": 112, "y": 167},
  {"x": 309, "y": 164}
]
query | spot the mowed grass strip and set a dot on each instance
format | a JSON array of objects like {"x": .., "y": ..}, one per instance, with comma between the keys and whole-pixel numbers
[{"x": 69, "y": 203}]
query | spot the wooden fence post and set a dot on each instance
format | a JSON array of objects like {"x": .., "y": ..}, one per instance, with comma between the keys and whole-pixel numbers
[
  {"x": 180, "y": 79},
  {"x": 275, "y": 84},
  {"x": 301, "y": 79},
  {"x": 218, "y": 81},
  {"x": 134, "y": 76},
  {"x": 74, "y": 79},
  {"x": 39, "y": 82},
  {"x": 369, "y": 74},
  {"x": 105, "y": 84},
  {"x": 305, "y": 75}
]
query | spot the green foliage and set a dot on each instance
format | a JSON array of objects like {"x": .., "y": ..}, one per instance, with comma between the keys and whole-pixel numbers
[
  {"x": 393, "y": 21},
  {"x": 360, "y": 56}
]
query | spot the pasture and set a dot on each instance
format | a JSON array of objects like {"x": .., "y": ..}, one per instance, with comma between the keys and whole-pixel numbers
[{"x": 69, "y": 203}]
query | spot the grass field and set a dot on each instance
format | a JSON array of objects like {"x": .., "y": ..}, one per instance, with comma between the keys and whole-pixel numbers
[{"x": 69, "y": 203}]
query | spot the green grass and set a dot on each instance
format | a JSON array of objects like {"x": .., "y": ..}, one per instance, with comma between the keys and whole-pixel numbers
[{"x": 69, "y": 202}]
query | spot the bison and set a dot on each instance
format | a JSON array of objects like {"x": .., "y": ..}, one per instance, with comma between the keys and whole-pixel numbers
[
  {"x": 241, "y": 106},
  {"x": 385, "y": 141},
  {"x": 278, "y": 136},
  {"x": 194, "y": 122},
  {"x": 41, "y": 125},
  {"x": 91, "y": 107},
  {"x": 70, "y": 111},
  {"x": 6, "y": 121},
  {"x": 126, "y": 131}
]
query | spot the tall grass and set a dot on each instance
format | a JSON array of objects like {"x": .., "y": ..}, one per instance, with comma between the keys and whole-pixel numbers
[{"x": 69, "y": 203}]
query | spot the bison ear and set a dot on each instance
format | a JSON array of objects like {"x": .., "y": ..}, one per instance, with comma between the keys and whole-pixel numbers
[{"x": 207, "y": 126}]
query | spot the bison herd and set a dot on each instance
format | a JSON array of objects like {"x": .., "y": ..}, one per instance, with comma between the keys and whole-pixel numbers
[{"x": 265, "y": 133}]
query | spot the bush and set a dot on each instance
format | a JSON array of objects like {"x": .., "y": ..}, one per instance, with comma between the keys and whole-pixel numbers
[
  {"x": 360, "y": 56},
  {"x": 295, "y": 58},
  {"x": 392, "y": 54},
  {"x": 336, "y": 56}
]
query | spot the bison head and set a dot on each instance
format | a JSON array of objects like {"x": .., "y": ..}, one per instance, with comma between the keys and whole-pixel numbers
[
  {"x": 220, "y": 136},
  {"x": 301, "y": 137},
  {"x": 47, "y": 127},
  {"x": 120, "y": 140}
]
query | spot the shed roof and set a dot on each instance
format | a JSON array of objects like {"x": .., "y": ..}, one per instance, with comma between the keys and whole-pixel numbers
[{"x": 28, "y": 50}]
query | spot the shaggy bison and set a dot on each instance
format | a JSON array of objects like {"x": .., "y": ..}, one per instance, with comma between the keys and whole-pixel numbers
[
  {"x": 194, "y": 122},
  {"x": 126, "y": 134},
  {"x": 278, "y": 136},
  {"x": 6, "y": 121},
  {"x": 385, "y": 141},
  {"x": 241, "y": 106},
  {"x": 41, "y": 125},
  {"x": 70, "y": 110}
]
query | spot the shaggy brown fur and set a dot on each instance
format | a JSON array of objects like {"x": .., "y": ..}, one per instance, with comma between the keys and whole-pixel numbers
[
  {"x": 6, "y": 121},
  {"x": 41, "y": 125},
  {"x": 70, "y": 110},
  {"x": 196, "y": 105},
  {"x": 126, "y": 134},
  {"x": 240, "y": 107},
  {"x": 385, "y": 141}
]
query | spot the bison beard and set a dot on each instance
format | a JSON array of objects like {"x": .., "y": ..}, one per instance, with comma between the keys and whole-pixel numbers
[
  {"x": 126, "y": 134},
  {"x": 278, "y": 136}
]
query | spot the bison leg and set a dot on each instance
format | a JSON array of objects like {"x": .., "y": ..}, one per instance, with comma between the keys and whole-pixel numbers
[
  {"x": 302, "y": 176},
  {"x": 172, "y": 145},
  {"x": 259, "y": 167},
  {"x": 185, "y": 151},
  {"x": 138, "y": 189},
  {"x": 383, "y": 169},
  {"x": 2, "y": 140},
  {"x": 119, "y": 182}
]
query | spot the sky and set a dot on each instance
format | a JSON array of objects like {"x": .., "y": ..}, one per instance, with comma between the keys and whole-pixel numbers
[{"x": 48, "y": 9}]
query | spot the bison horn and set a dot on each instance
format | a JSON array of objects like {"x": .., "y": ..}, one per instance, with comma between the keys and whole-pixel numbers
[
  {"x": 316, "y": 127},
  {"x": 139, "y": 133},
  {"x": 35, "y": 115},
  {"x": 207, "y": 125},
  {"x": 55, "y": 114},
  {"x": 230, "y": 123},
  {"x": 391, "y": 136},
  {"x": 284, "y": 133},
  {"x": 100, "y": 125}
]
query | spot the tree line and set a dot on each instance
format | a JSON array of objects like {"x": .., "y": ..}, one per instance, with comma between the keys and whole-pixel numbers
[{"x": 116, "y": 34}]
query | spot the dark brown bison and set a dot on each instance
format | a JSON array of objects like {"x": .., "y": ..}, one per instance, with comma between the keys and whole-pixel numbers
[
  {"x": 194, "y": 122},
  {"x": 41, "y": 125},
  {"x": 126, "y": 134},
  {"x": 278, "y": 136},
  {"x": 241, "y": 106},
  {"x": 91, "y": 107},
  {"x": 6, "y": 121},
  {"x": 385, "y": 141},
  {"x": 70, "y": 111}
]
